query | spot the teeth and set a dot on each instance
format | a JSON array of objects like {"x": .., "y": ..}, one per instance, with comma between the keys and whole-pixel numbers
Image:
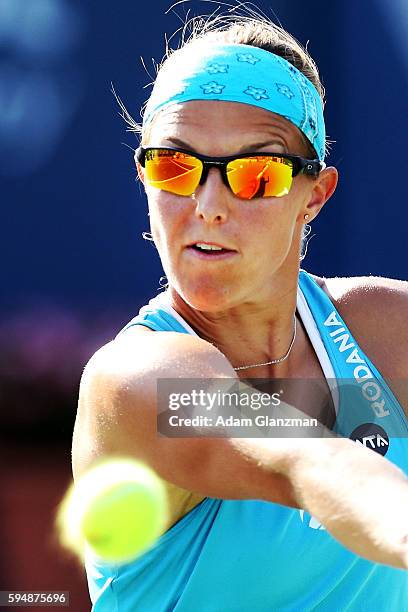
[{"x": 208, "y": 247}]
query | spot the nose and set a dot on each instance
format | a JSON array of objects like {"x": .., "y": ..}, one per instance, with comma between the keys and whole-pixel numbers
[{"x": 212, "y": 199}]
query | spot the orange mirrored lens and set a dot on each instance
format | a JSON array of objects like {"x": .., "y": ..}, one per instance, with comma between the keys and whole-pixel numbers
[
  {"x": 260, "y": 177},
  {"x": 172, "y": 171}
]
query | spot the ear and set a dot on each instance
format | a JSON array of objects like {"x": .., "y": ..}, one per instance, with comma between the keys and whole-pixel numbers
[
  {"x": 323, "y": 188},
  {"x": 140, "y": 172}
]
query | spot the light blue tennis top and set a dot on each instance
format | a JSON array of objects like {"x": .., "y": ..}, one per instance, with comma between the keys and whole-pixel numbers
[{"x": 256, "y": 556}]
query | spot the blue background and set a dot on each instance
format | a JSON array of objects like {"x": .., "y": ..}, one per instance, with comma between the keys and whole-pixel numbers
[
  {"x": 74, "y": 267},
  {"x": 73, "y": 213}
]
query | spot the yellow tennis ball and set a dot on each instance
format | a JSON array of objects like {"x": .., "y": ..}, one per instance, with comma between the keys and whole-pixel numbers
[{"x": 118, "y": 508}]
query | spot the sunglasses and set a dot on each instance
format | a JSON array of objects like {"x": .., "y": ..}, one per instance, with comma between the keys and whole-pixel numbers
[{"x": 255, "y": 175}]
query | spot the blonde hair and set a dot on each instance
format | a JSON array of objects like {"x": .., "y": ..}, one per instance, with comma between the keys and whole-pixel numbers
[
  {"x": 250, "y": 28},
  {"x": 255, "y": 30}
]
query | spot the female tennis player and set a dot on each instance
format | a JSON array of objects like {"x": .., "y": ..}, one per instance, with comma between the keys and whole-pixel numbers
[{"x": 232, "y": 162}]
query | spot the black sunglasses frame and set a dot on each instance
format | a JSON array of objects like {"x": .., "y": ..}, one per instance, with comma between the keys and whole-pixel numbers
[{"x": 310, "y": 167}]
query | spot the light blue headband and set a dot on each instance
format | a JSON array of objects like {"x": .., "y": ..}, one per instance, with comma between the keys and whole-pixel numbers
[{"x": 240, "y": 73}]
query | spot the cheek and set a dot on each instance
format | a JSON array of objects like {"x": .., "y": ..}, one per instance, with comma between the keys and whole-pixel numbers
[
  {"x": 270, "y": 232},
  {"x": 167, "y": 215},
  {"x": 155, "y": 219},
  {"x": 273, "y": 218}
]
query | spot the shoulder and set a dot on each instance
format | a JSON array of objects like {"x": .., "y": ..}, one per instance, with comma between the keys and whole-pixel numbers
[
  {"x": 142, "y": 352},
  {"x": 377, "y": 291},
  {"x": 128, "y": 369},
  {"x": 118, "y": 387},
  {"x": 118, "y": 404},
  {"x": 376, "y": 311}
]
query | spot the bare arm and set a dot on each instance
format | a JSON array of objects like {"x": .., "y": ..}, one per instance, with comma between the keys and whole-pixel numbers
[
  {"x": 360, "y": 497},
  {"x": 117, "y": 414}
]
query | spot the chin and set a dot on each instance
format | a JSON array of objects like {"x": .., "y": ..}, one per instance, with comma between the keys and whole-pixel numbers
[{"x": 210, "y": 298}]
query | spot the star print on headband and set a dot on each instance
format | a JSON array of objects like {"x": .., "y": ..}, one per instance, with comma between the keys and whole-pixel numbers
[
  {"x": 245, "y": 74},
  {"x": 216, "y": 68},
  {"x": 256, "y": 93},
  {"x": 247, "y": 57},
  {"x": 212, "y": 88},
  {"x": 284, "y": 89}
]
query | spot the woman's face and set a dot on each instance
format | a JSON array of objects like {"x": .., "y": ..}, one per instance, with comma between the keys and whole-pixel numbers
[{"x": 262, "y": 235}]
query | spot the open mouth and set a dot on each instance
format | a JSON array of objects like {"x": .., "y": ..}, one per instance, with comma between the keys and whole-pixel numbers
[{"x": 209, "y": 249}]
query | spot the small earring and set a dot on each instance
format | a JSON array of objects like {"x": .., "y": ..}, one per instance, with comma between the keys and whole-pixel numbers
[{"x": 306, "y": 217}]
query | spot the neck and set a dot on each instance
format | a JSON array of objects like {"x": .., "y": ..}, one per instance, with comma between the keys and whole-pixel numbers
[{"x": 252, "y": 332}]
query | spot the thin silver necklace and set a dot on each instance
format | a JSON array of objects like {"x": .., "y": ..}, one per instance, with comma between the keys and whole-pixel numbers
[{"x": 285, "y": 356}]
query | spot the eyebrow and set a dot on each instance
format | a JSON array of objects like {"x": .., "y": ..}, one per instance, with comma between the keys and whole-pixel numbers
[{"x": 244, "y": 149}]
